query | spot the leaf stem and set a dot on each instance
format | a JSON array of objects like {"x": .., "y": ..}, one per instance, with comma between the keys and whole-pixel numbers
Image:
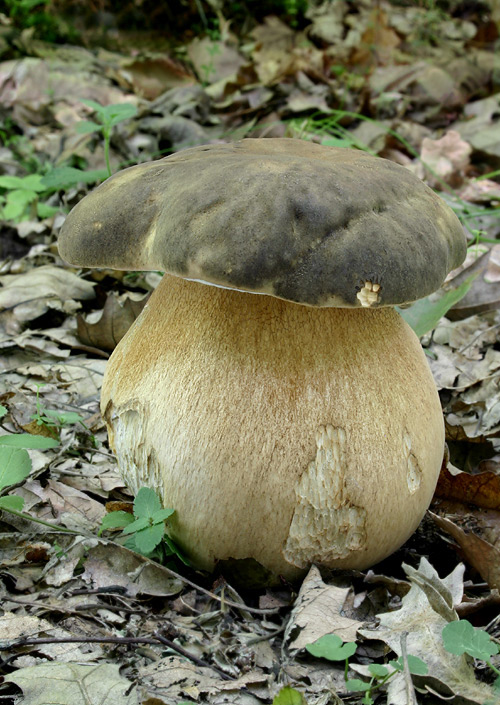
[
  {"x": 493, "y": 668},
  {"x": 22, "y": 515},
  {"x": 106, "y": 131}
]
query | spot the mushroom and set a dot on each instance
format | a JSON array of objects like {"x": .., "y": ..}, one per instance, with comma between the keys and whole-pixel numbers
[{"x": 269, "y": 392}]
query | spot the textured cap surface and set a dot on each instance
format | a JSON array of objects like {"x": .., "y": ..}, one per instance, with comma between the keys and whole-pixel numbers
[{"x": 316, "y": 225}]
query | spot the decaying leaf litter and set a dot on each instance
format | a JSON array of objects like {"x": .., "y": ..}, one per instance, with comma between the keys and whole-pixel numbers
[{"x": 85, "y": 619}]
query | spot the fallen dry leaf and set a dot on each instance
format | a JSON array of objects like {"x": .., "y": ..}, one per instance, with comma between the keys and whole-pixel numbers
[
  {"x": 448, "y": 674},
  {"x": 482, "y": 489},
  {"x": 318, "y": 611},
  {"x": 74, "y": 683},
  {"x": 477, "y": 551},
  {"x": 32, "y": 293},
  {"x": 444, "y": 159},
  {"x": 106, "y": 328},
  {"x": 110, "y": 564}
]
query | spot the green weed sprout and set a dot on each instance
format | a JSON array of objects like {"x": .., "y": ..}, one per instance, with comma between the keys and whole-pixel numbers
[
  {"x": 459, "y": 638},
  {"x": 145, "y": 529},
  {"x": 52, "y": 418},
  {"x": 332, "y": 648},
  {"x": 462, "y": 638},
  {"x": 15, "y": 463},
  {"x": 288, "y": 696},
  {"x": 107, "y": 117},
  {"x": 21, "y": 194}
]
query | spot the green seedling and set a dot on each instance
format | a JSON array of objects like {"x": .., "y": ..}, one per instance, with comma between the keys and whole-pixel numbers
[
  {"x": 424, "y": 315},
  {"x": 332, "y": 648},
  {"x": 145, "y": 530},
  {"x": 27, "y": 14},
  {"x": 106, "y": 116},
  {"x": 65, "y": 176},
  {"x": 209, "y": 68},
  {"x": 54, "y": 419},
  {"x": 15, "y": 463},
  {"x": 462, "y": 638},
  {"x": 20, "y": 197},
  {"x": 459, "y": 638},
  {"x": 289, "y": 696}
]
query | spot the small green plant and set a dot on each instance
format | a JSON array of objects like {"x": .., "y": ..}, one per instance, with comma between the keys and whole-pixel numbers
[
  {"x": 462, "y": 638},
  {"x": 145, "y": 530},
  {"x": 54, "y": 419},
  {"x": 20, "y": 197},
  {"x": 107, "y": 116},
  {"x": 289, "y": 696},
  {"x": 332, "y": 648},
  {"x": 15, "y": 463},
  {"x": 424, "y": 315},
  {"x": 459, "y": 638},
  {"x": 27, "y": 14},
  {"x": 209, "y": 68}
]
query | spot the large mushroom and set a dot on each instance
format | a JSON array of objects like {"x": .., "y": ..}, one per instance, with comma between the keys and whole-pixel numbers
[{"x": 269, "y": 391}]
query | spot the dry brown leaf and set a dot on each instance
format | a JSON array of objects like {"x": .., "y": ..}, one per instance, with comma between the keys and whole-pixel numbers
[
  {"x": 445, "y": 159},
  {"x": 378, "y": 41},
  {"x": 480, "y": 554},
  {"x": 70, "y": 506},
  {"x": 32, "y": 293},
  {"x": 214, "y": 60},
  {"x": 115, "y": 565},
  {"x": 482, "y": 490},
  {"x": 113, "y": 322},
  {"x": 318, "y": 611},
  {"x": 484, "y": 191},
  {"x": 150, "y": 76}
]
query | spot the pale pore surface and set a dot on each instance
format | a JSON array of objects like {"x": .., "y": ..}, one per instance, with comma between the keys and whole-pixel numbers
[{"x": 276, "y": 431}]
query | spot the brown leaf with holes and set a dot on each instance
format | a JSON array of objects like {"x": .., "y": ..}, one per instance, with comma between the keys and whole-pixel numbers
[
  {"x": 482, "y": 490},
  {"x": 480, "y": 554},
  {"x": 118, "y": 314}
]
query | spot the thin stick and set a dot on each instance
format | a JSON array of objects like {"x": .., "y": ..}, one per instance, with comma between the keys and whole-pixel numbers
[
  {"x": 123, "y": 640},
  {"x": 410, "y": 690}
]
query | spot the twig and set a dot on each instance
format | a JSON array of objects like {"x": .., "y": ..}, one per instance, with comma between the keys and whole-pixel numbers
[
  {"x": 186, "y": 581},
  {"x": 124, "y": 640},
  {"x": 479, "y": 335},
  {"x": 410, "y": 690},
  {"x": 194, "y": 659}
]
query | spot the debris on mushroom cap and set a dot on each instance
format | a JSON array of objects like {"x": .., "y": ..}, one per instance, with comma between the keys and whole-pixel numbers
[{"x": 316, "y": 225}]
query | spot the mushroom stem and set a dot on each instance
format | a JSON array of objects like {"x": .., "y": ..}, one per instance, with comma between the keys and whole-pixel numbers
[{"x": 284, "y": 433}]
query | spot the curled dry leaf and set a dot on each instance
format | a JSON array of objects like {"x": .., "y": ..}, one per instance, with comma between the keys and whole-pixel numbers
[
  {"x": 478, "y": 552},
  {"x": 79, "y": 684},
  {"x": 32, "y": 293},
  {"x": 173, "y": 677},
  {"x": 117, "y": 316},
  {"x": 150, "y": 76},
  {"x": 482, "y": 489}
]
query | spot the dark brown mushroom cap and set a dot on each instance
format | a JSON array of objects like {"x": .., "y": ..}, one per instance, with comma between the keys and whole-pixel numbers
[{"x": 316, "y": 225}]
